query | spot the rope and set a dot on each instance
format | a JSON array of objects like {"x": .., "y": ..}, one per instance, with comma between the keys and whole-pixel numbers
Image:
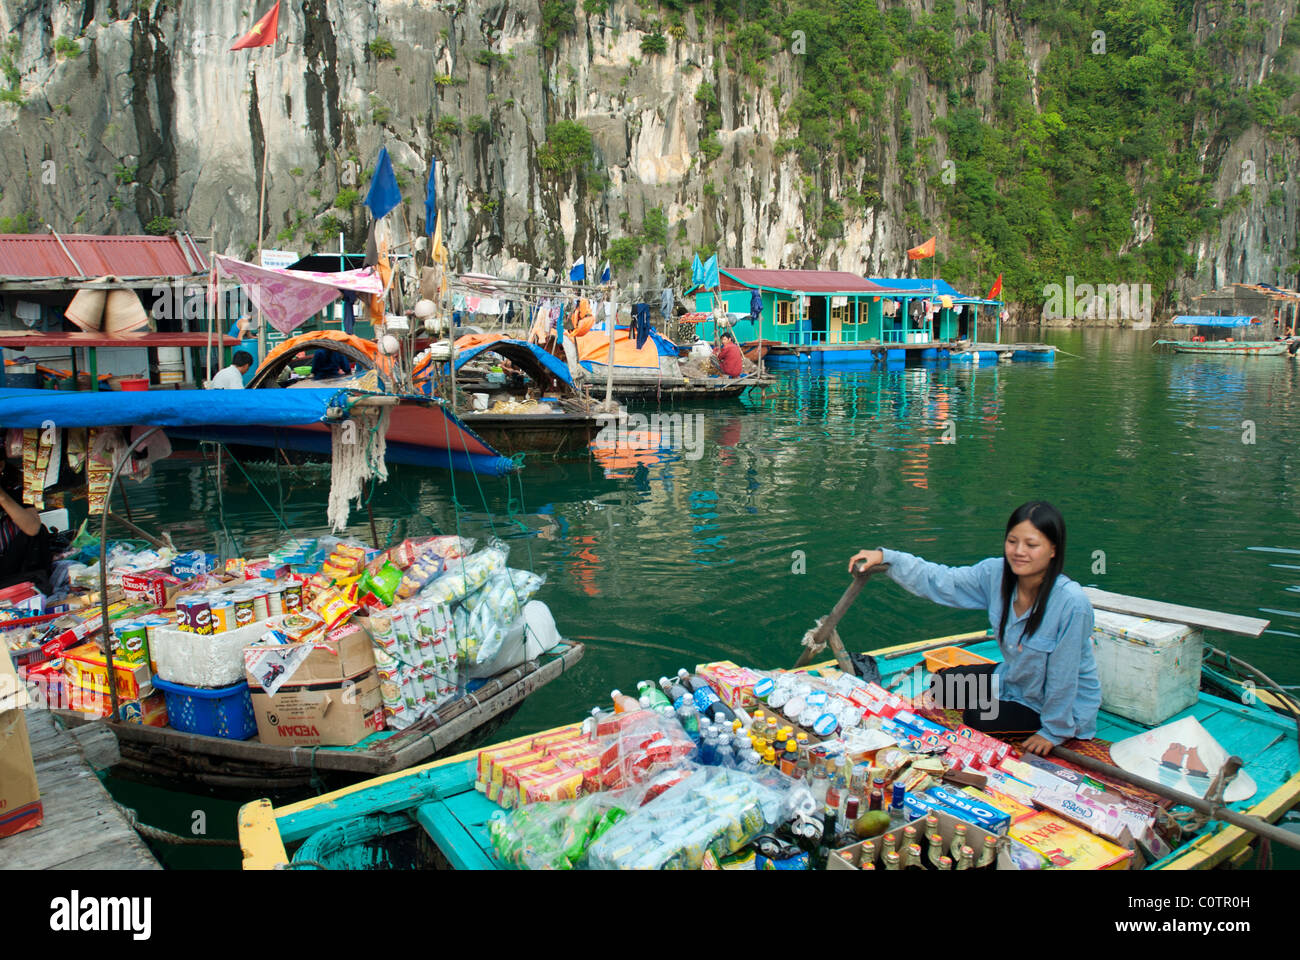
[
  {"x": 299, "y": 864},
  {"x": 164, "y": 836}
]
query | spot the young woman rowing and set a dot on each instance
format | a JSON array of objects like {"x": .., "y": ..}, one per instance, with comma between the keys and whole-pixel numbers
[{"x": 1046, "y": 686}]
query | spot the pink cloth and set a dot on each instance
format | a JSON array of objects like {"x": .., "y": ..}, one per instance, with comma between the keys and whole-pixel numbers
[{"x": 288, "y": 297}]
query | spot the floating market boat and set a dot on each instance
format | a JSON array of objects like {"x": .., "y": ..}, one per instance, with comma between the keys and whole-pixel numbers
[
  {"x": 206, "y": 731},
  {"x": 440, "y": 814},
  {"x": 532, "y": 407},
  {"x": 1252, "y": 337}
]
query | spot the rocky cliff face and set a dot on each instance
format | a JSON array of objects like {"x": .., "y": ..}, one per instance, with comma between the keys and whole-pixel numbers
[{"x": 137, "y": 116}]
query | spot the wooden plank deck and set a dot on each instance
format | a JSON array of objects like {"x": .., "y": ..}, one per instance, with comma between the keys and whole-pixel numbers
[{"x": 83, "y": 828}]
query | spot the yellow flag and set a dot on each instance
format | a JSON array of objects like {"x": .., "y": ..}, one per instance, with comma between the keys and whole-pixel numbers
[{"x": 438, "y": 253}]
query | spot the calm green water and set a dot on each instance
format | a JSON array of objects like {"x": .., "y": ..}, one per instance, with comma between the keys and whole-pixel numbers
[{"x": 682, "y": 561}]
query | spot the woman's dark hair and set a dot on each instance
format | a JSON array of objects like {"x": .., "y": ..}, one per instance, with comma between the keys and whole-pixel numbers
[{"x": 1049, "y": 522}]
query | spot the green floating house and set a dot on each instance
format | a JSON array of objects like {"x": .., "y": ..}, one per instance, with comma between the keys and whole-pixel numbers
[{"x": 839, "y": 316}]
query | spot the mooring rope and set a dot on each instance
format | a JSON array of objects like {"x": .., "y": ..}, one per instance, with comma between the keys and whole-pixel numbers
[{"x": 165, "y": 836}]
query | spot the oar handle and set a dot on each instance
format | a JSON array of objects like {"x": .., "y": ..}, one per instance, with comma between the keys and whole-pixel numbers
[
  {"x": 1215, "y": 811},
  {"x": 825, "y": 631}
]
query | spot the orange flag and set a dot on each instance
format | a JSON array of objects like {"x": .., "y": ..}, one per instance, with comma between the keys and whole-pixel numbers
[
  {"x": 924, "y": 250},
  {"x": 997, "y": 288},
  {"x": 264, "y": 32}
]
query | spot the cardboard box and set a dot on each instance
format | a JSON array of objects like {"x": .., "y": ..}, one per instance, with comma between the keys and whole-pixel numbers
[
  {"x": 87, "y": 668},
  {"x": 327, "y": 714},
  {"x": 151, "y": 585},
  {"x": 850, "y": 857},
  {"x": 150, "y": 711},
  {"x": 20, "y": 797},
  {"x": 345, "y": 654},
  {"x": 1068, "y": 847}
]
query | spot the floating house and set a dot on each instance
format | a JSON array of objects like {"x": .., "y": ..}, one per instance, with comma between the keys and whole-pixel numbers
[
  {"x": 828, "y": 316},
  {"x": 1276, "y": 308}
]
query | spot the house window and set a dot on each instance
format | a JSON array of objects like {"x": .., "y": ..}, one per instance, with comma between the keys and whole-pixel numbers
[
  {"x": 841, "y": 315},
  {"x": 784, "y": 312}
]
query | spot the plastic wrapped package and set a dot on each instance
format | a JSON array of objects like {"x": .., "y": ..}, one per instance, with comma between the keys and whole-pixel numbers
[
  {"x": 466, "y": 575},
  {"x": 554, "y": 836},
  {"x": 494, "y": 609},
  {"x": 713, "y": 811},
  {"x": 637, "y": 746}
]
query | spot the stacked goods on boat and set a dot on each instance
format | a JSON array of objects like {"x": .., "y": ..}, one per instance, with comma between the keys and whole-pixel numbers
[
  {"x": 734, "y": 768},
  {"x": 321, "y": 642}
]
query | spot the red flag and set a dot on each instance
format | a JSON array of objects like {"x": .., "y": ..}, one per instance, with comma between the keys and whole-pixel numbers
[
  {"x": 264, "y": 32},
  {"x": 924, "y": 250},
  {"x": 997, "y": 288}
]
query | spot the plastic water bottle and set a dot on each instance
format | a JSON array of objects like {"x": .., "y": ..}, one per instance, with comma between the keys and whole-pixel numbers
[
  {"x": 709, "y": 749},
  {"x": 658, "y": 699},
  {"x": 624, "y": 703},
  {"x": 689, "y": 718},
  {"x": 726, "y": 756},
  {"x": 705, "y": 698}
]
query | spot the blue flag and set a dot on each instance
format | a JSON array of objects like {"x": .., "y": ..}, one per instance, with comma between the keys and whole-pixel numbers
[
  {"x": 711, "y": 272},
  {"x": 697, "y": 270},
  {"x": 384, "y": 194},
  {"x": 578, "y": 272},
  {"x": 431, "y": 198},
  {"x": 605, "y": 274}
]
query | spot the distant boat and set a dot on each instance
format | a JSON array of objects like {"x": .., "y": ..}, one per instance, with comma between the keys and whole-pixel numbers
[{"x": 1211, "y": 337}]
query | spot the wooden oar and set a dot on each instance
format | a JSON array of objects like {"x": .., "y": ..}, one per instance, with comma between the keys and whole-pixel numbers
[
  {"x": 825, "y": 631},
  {"x": 1215, "y": 811}
]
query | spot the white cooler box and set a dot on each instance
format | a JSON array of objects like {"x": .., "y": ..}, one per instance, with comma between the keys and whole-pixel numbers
[
  {"x": 1149, "y": 670},
  {"x": 199, "y": 660}
]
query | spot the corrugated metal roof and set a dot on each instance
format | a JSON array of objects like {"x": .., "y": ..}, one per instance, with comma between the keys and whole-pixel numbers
[
  {"x": 804, "y": 281},
  {"x": 37, "y": 256}
]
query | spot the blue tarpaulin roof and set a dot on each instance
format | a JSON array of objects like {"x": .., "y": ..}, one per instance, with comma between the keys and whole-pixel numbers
[
  {"x": 938, "y": 287},
  {"x": 165, "y": 408},
  {"x": 516, "y": 351},
  {"x": 1212, "y": 321}
]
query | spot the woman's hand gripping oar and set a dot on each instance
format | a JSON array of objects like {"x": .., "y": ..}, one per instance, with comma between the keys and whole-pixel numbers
[{"x": 815, "y": 640}]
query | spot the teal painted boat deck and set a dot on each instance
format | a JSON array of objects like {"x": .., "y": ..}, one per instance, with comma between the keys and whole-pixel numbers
[{"x": 455, "y": 815}]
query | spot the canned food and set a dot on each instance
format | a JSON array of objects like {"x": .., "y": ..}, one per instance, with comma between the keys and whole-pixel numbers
[
  {"x": 222, "y": 612},
  {"x": 275, "y": 599},
  {"x": 243, "y": 603},
  {"x": 261, "y": 604},
  {"x": 292, "y": 597}
]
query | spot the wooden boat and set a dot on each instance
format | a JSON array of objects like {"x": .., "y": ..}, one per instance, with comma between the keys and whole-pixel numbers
[
  {"x": 542, "y": 382},
  {"x": 1212, "y": 337},
  {"x": 436, "y": 804},
  {"x": 247, "y": 765}
]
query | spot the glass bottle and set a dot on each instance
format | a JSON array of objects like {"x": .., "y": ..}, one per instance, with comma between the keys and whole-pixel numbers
[
  {"x": 967, "y": 858},
  {"x": 958, "y": 841},
  {"x": 988, "y": 854},
  {"x": 892, "y": 861},
  {"x": 913, "y": 857},
  {"x": 936, "y": 849},
  {"x": 945, "y": 863}
]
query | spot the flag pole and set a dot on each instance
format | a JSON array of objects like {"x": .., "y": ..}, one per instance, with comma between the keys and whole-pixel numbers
[{"x": 261, "y": 216}]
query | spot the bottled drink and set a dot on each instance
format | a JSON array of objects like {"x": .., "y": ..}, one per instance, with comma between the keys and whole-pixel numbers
[
  {"x": 896, "y": 804},
  {"x": 868, "y": 853},
  {"x": 675, "y": 692},
  {"x": 877, "y": 800},
  {"x": 958, "y": 841},
  {"x": 705, "y": 699},
  {"x": 909, "y": 837},
  {"x": 945, "y": 863},
  {"x": 931, "y": 827},
  {"x": 760, "y": 721},
  {"x": 658, "y": 699},
  {"x": 913, "y": 857},
  {"x": 773, "y": 728},
  {"x": 780, "y": 743},
  {"x": 889, "y": 842},
  {"x": 689, "y": 718},
  {"x": 833, "y": 799},
  {"x": 790, "y": 761},
  {"x": 988, "y": 854},
  {"x": 803, "y": 767},
  {"x": 818, "y": 783},
  {"x": 708, "y": 749},
  {"x": 769, "y": 757},
  {"x": 624, "y": 703},
  {"x": 936, "y": 849},
  {"x": 966, "y": 860},
  {"x": 830, "y": 838},
  {"x": 892, "y": 861}
]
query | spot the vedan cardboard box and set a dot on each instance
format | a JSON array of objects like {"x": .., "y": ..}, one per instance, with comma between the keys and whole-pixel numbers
[
  {"x": 336, "y": 714},
  {"x": 20, "y": 798}
]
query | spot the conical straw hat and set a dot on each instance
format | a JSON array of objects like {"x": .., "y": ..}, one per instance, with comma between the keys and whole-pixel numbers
[
  {"x": 87, "y": 309},
  {"x": 123, "y": 311}
]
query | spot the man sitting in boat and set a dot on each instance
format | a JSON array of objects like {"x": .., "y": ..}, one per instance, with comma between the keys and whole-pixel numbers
[
  {"x": 26, "y": 553},
  {"x": 232, "y": 377},
  {"x": 728, "y": 357},
  {"x": 1046, "y": 687},
  {"x": 327, "y": 364}
]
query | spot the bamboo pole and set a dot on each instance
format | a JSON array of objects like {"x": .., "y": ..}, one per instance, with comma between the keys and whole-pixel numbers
[{"x": 261, "y": 215}]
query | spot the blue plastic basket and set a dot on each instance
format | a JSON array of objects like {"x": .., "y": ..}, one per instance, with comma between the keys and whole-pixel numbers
[{"x": 223, "y": 712}]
